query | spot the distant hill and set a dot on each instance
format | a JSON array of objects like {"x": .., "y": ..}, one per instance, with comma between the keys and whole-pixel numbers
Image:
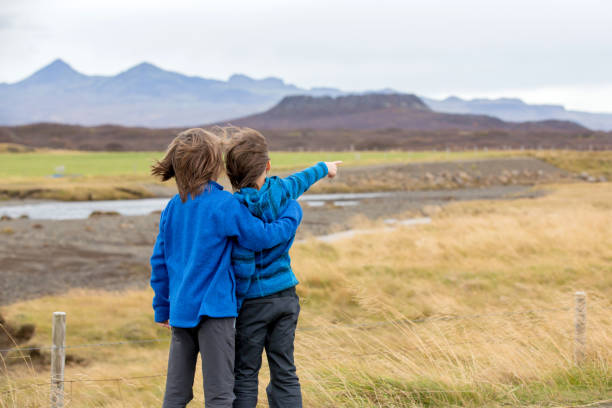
[
  {"x": 515, "y": 110},
  {"x": 144, "y": 95},
  {"x": 382, "y": 111},
  {"x": 369, "y": 121}
]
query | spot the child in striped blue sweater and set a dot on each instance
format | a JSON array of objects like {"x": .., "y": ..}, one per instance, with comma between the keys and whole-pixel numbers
[{"x": 265, "y": 284}]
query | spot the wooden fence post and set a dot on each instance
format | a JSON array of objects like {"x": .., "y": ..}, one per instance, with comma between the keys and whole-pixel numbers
[
  {"x": 580, "y": 317},
  {"x": 58, "y": 359}
]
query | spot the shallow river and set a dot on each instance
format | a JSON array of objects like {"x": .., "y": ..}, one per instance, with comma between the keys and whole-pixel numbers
[{"x": 60, "y": 210}]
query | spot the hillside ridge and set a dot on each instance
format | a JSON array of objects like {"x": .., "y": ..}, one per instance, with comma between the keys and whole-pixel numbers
[
  {"x": 380, "y": 111},
  {"x": 310, "y": 106}
]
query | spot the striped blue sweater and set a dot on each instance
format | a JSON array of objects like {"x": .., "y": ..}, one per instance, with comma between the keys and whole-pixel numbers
[{"x": 264, "y": 273}]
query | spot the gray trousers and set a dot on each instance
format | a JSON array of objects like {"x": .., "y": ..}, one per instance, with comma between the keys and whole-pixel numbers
[
  {"x": 267, "y": 322},
  {"x": 214, "y": 339}
]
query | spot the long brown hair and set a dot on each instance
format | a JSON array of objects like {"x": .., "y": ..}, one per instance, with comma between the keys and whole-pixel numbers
[
  {"x": 193, "y": 158},
  {"x": 246, "y": 157}
]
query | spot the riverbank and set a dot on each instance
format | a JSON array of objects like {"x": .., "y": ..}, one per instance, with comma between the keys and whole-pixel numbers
[
  {"x": 78, "y": 176},
  {"x": 111, "y": 252}
]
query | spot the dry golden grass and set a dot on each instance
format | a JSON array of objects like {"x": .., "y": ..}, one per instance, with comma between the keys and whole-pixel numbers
[
  {"x": 483, "y": 263},
  {"x": 597, "y": 163},
  {"x": 78, "y": 188},
  {"x": 486, "y": 259}
]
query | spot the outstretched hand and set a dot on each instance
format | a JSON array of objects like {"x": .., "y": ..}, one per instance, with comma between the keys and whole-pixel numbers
[{"x": 332, "y": 168}]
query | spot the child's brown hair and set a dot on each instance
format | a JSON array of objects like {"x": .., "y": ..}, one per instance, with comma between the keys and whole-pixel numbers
[
  {"x": 193, "y": 158},
  {"x": 246, "y": 157}
]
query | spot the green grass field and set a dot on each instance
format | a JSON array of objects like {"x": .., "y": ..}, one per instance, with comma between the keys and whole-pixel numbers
[{"x": 43, "y": 164}]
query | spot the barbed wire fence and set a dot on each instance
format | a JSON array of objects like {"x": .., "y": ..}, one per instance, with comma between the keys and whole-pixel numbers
[{"x": 58, "y": 348}]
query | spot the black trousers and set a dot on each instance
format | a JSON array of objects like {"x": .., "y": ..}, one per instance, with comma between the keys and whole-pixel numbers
[
  {"x": 214, "y": 340},
  {"x": 267, "y": 323}
]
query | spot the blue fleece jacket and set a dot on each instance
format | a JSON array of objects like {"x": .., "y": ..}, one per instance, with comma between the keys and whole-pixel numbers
[
  {"x": 191, "y": 272},
  {"x": 267, "y": 272}
]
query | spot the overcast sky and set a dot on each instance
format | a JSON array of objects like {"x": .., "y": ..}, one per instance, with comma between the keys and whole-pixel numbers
[{"x": 542, "y": 51}]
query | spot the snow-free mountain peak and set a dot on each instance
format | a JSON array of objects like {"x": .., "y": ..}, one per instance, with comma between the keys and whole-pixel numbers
[{"x": 56, "y": 71}]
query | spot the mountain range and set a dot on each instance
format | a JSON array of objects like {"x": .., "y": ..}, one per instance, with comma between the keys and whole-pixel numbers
[
  {"x": 146, "y": 95},
  {"x": 515, "y": 110},
  {"x": 345, "y": 122}
]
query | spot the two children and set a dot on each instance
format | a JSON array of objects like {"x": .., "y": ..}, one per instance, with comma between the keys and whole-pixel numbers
[
  {"x": 191, "y": 266},
  {"x": 203, "y": 233}
]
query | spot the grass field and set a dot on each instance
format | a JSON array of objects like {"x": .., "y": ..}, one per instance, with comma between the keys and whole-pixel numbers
[
  {"x": 484, "y": 263},
  {"x": 594, "y": 163},
  {"x": 124, "y": 175},
  {"x": 116, "y": 175},
  {"x": 45, "y": 163}
]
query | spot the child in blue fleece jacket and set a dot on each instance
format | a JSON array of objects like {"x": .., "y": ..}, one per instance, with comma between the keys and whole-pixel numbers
[
  {"x": 191, "y": 272},
  {"x": 265, "y": 283}
]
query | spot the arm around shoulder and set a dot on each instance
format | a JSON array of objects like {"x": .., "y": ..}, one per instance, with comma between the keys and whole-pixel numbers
[{"x": 252, "y": 233}]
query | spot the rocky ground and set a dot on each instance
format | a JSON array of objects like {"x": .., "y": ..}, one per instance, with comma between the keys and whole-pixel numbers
[
  {"x": 523, "y": 171},
  {"x": 448, "y": 175}
]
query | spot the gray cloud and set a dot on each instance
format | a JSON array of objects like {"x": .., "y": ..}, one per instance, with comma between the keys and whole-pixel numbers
[
  {"x": 5, "y": 21},
  {"x": 433, "y": 47}
]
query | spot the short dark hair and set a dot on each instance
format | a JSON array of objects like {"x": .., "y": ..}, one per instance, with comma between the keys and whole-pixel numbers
[
  {"x": 246, "y": 157},
  {"x": 193, "y": 158}
]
